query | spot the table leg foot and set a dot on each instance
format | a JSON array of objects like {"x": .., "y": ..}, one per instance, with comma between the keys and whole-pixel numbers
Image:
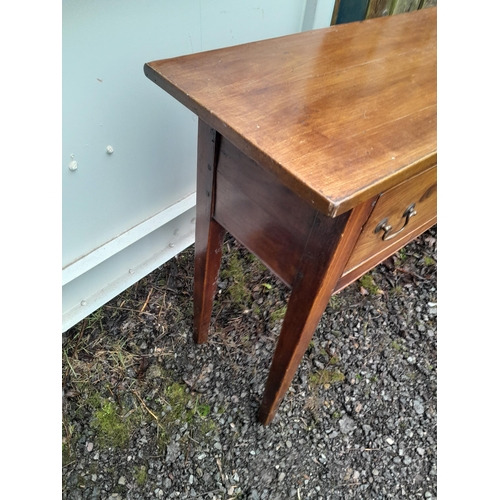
[{"x": 208, "y": 254}]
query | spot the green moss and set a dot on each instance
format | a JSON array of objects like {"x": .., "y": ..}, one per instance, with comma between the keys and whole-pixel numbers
[
  {"x": 141, "y": 475},
  {"x": 428, "y": 261},
  {"x": 111, "y": 429},
  {"x": 368, "y": 283},
  {"x": 203, "y": 410}
]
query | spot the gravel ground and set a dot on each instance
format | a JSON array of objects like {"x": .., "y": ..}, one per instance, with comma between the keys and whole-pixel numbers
[{"x": 148, "y": 414}]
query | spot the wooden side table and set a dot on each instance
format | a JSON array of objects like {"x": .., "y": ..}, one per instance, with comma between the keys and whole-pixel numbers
[{"x": 316, "y": 151}]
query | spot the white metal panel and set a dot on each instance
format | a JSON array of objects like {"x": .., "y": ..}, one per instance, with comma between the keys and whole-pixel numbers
[
  {"x": 101, "y": 283},
  {"x": 114, "y": 200}
]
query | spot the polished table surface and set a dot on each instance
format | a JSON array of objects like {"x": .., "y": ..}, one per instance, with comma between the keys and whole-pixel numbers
[
  {"x": 317, "y": 151},
  {"x": 338, "y": 113}
]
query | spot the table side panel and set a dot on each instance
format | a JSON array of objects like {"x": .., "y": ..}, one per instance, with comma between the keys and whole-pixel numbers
[{"x": 262, "y": 214}]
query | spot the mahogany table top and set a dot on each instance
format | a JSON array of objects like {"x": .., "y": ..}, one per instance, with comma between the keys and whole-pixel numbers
[{"x": 338, "y": 114}]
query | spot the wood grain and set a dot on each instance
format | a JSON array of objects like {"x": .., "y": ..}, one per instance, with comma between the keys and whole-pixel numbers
[
  {"x": 328, "y": 247},
  {"x": 337, "y": 114}
]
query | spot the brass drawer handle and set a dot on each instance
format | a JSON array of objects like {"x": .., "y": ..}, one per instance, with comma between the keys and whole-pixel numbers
[{"x": 384, "y": 225}]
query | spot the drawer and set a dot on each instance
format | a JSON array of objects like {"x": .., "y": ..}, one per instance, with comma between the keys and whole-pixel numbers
[{"x": 394, "y": 206}]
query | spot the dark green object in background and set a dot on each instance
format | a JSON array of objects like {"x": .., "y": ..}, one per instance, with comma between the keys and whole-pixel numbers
[{"x": 354, "y": 10}]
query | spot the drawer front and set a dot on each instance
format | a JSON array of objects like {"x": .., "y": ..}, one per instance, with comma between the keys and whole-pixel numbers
[{"x": 394, "y": 208}]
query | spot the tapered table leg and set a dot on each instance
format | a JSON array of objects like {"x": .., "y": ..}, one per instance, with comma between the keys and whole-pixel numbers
[
  {"x": 325, "y": 256},
  {"x": 209, "y": 233}
]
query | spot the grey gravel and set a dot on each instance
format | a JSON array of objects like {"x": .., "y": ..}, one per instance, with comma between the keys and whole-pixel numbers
[
  {"x": 347, "y": 425},
  {"x": 369, "y": 436},
  {"x": 418, "y": 406}
]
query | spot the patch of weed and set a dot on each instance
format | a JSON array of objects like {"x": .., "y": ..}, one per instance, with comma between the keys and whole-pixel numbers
[
  {"x": 95, "y": 319},
  {"x": 396, "y": 345},
  {"x": 256, "y": 262},
  {"x": 67, "y": 453},
  {"x": 178, "y": 398},
  {"x": 322, "y": 377},
  {"x": 334, "y": 302},
  {"x": 68, "y": 442},
  {"x": 182, "y": 408},
  {"x": 401, "y": 257},
  {"x": 334, "y": 360},
  {"x": 234, "y": 272},
  {"x": 207, "y": 426}
]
